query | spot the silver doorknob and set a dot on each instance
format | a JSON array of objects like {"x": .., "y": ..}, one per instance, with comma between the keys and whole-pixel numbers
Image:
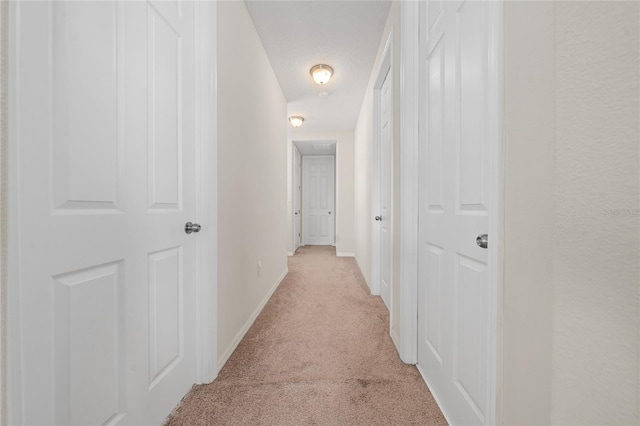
[
  {"x": 482, "y": 240},
  {"x": 192, "y": 227},
  {"x": 378, "y": 218}
]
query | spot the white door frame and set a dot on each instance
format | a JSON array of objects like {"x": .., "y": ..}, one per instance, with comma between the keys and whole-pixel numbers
[
  {"x": 409, "y": 177},
  {"x": 206, "y": 208},
  {"x": 207, "y": 190},
  {"x": 376, "y": 198},
  {"x": 409, "y": 190}
]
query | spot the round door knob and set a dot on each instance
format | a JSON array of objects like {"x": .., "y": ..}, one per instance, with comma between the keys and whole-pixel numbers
[
  {"x": 378, "y": 218},
  {"x": 192, "y": 227},
  {"x": 482, "y": 241}
]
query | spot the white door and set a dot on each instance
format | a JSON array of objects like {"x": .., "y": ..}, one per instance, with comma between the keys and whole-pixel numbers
[
  {"x": 455, "y": 325},
  {"x": 297, "y": 198},
  {"x": 102, "y": 110},
  {"x": 385, "y": 217},
  {"x": 318, "y": 199}
]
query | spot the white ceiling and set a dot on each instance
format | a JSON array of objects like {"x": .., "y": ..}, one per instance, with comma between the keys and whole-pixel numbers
[{"x": 343, "y": 34}]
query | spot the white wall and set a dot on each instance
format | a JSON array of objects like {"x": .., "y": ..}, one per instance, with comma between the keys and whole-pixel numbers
[
  {"x": 363, "y": 157},
  {"x": 571, "y": 278},
  {"x": 596, "y": 226},
  {"x": 252, "y": 176},
  {"x": 345, "y": 244},
  {"x": 363, "y": 137},
  {"x": 528, "y": 212}
]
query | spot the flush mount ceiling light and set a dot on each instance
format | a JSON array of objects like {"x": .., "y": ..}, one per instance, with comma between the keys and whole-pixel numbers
[
  {"x": 321, "y": 73},
  {"x": 296, "y": 120}
]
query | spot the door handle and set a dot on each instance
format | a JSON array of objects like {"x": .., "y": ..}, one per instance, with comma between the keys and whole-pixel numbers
[
  {"x": 192, "y": 227},
  {"x": 482, "y": 241},
  {"x": 378, "y": 218},
  {"x": 296, "y": 213}
]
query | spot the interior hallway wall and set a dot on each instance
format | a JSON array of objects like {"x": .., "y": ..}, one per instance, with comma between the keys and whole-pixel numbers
[
  {"x": 572, "y": 227},
  {"x": 596, "y": 232},
  {"x": 528, "y": 159},
  {"x": 362, "y": 187},
  {"x": 252, "y": 176},
  {"x": 345, "y": 245},
  {"x": 363, "y": 157}
]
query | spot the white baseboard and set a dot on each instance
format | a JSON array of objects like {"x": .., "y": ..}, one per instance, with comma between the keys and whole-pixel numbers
[
  {"x": 238, "y": 338},
  {"x": 289, "y": 253},
  {"x": 345, "y": 254}
]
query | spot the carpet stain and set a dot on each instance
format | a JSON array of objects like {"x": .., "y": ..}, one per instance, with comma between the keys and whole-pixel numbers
[
  {"x": 318, "y": 354},
  {"x": 363, "y": 383}
]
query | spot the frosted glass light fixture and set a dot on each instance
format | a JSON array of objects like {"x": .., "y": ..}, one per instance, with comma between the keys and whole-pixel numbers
[
  {"x": 296, "y": 120},
  {"x": 321, "y": 73}
]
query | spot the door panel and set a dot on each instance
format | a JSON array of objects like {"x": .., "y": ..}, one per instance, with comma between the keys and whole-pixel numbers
[
  {"x": 165, "y": 109},
  {"x": 454, "y": 307},
  {"x": 472, "y": 60},
  {"x": 318, "y": 199},
  {"x": 165, "y": 316},
  {"x": 104, "y": 185},
  {"x": 470, "y": 336},
  {"x": 85, "y": 140},
  {"x": 88, "y": 333},
  {"x": 432, "y": 318}
]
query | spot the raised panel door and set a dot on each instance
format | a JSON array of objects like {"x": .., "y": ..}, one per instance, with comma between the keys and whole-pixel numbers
[
  {"x": 455, "y": 346},
  {"x": 103, "y": 289},
  {"x": 318, "y": 199}
]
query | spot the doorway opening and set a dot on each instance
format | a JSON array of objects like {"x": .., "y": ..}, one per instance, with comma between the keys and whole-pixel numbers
[{"x": 314, "y": 214}]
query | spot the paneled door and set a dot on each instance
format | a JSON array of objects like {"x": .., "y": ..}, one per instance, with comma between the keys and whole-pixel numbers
[
  {"x": 458, "y": 127},
  {"x": 318, "y": 199},
  {"x": 297, "y": 198},
  {"x": 386, "y": 179},
  {"x": 103, "y": 285}
]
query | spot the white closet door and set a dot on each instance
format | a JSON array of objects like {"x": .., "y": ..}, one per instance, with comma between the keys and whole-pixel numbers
[
  {"x": 103, "y": 116},
  {"x": 455, "y": 326}
]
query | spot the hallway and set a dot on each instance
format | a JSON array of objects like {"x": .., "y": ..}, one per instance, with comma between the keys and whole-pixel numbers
[{"x": 319, "y": 353}]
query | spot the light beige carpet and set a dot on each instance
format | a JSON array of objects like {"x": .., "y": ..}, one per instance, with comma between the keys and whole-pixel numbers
[{"x": 318, "y": 354}]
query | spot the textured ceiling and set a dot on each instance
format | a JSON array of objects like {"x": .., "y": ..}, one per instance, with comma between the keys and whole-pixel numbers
[{"x": 343, "y": 34}]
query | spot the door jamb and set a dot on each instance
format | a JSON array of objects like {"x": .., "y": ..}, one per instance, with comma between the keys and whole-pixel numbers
[
  {"x": 207, "y": 191},
  {"x": 409, "y": 173}
]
